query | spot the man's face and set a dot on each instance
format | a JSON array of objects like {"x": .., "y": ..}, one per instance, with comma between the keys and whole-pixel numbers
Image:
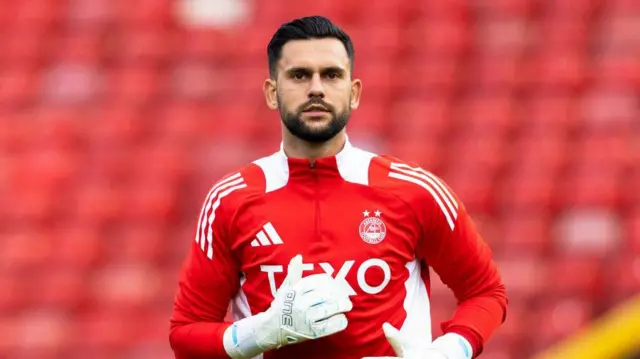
[{"x": 314, "y": 92}]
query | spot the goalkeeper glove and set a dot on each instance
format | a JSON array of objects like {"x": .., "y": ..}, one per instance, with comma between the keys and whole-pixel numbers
[
  {"x": 448, "y": 346},
  {"x": 303, "y": 309}
]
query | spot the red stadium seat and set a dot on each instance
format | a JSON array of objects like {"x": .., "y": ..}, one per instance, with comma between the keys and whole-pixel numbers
[
  {"x": 615, "y": 34},
  {"x": 24, "y": 48},
  {"x": 195, "y": 80},
  {"x": 19, "y": 86},
  {"x": 541, "y": 152},
  {"x": 377, "y": 79},
  {"x": 425, "y": 152},
  {"x": 89, "y": 194},
  {"x": 525, "y": 276},
  {"x": 56, "y": 128},
  {"x": 145, "y": 46},
  {"x": 609, "y": 111},
  {"x": 425, "y": 119},
  {"x": 552, "y": 70},
  {"x": 474, "y": 150},
  {"x": 579, "y": 9},
  {"x": 558, "y": 34},
  {"x": 149, "y": 201},
  {"x": 514, "y": 327},
  {"x": 428, "y": 38},
  {"x": 552, "y": 111},
  {"x": 134, "y": 86},
  {"x": 506, "y": 8},
  {"x": 589, "y": 231},
  {"x": 380, "y": 41},
  {"x": 590, "y": 186},
  {"x": 617, "y": 69},
  {"x": 527, "y": 189},
  {"x": 623, "y": 277},
  {"x": 525, "y": 233},
  {"x": 371, "y": 118},
  {"x": 633, "y": 232},
  {"x": 608, "y": 146},
  {"x": 155, "y": 13},
  {"x": 117, "y": 126},
  {"x": 427, "y": 76},
  {"x": 491, "y": 72},
  {"x": 79, "y": 46},
  {"x": 78, "y": 246},
  {"x": 6, "y": 13},
  {"x": 586, "y": 285},
  {"x": 438, "y": 9},
  {"x": 13, "y": 298},
  {"x": 102, "y": 331},
  {"x": 488, "y": 114},
  {"x": 205, "y": 44},
  {"x": 122, "y": 287},
  {"x": 59, "y": 288},
  {"x": 30, "y": 343},
  {"x": 500, "y": 35},
  {"x": 89, "y": 12},
  {"x": 37, "y": 14},
  {"x": 500, "y": 353},
  {"x": 557, "y": 318},
  {"x": 134, "y": 242}
]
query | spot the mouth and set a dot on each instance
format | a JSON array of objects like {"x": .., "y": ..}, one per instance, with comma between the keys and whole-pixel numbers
[
  {"x": 316, "y": 111},
  {"x": 316, "y": 108}
]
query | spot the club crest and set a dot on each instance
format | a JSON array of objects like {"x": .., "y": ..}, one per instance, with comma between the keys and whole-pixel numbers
[{"x": 372, "y": 228}]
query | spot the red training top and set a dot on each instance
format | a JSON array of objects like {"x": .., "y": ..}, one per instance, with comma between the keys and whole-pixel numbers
[{"x": 374, "y": 221}]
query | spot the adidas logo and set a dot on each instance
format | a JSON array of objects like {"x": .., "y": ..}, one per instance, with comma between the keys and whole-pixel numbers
[{"x": 267, "y": 237}]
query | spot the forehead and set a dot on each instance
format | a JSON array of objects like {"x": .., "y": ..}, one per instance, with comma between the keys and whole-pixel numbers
[{"x": 314, "y": 53}]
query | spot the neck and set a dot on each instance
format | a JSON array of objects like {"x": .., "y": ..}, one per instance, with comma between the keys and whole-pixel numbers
[{"x": 297, "y": 148}]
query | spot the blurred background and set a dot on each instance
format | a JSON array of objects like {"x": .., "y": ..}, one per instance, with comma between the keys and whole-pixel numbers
[{"x": 117, "y": 116}]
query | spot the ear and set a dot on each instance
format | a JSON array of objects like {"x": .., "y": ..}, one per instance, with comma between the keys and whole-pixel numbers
[
  {"x": 270, "y": 94},
  {"x": 356, "y": 92}
]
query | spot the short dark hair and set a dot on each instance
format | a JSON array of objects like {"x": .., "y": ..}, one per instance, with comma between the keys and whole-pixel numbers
[{"x": 306, "y": 28}]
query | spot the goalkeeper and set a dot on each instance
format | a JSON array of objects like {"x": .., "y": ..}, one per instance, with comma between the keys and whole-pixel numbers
[{"x": 323, "y": 248}]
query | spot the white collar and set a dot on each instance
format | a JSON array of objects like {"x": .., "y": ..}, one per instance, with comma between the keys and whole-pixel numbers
[{"x": 340, "y": 156}]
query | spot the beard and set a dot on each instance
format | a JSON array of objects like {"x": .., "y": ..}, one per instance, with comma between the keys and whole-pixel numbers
[{"x": 294, "y": 122}]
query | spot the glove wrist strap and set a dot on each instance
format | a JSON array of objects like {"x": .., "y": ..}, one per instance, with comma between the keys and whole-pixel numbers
[
  {"x": 241, "y": 340},
  {"x": 453, "y": 346}
]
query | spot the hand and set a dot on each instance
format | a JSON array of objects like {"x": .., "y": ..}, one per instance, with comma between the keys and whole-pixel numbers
[
  {"x": 306, "y": 308},
  {"x": 303, "y": 309},
  {"x": 448, "y": 346}
]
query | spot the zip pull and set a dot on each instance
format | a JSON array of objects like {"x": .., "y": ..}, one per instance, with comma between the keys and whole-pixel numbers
[{"x": 312, "y": 165}]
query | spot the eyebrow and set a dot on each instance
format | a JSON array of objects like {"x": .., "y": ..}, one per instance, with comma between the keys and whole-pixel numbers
[{"x": 300, "y": 69}]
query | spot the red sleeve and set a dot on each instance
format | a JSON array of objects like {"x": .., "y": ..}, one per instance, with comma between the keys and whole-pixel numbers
[
  {"x": 452, "y": 246},
  {"x": 208, "y": 280}
]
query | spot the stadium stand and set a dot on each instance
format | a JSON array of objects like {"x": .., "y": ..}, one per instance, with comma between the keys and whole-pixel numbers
[{"x": 116, "y": 119}]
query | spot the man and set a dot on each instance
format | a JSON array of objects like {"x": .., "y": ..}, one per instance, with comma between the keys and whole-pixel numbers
[{"x": 324, "y": 248}]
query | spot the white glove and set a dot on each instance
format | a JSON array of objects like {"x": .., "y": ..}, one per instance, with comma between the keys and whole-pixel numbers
[
  {"x": 448, "y": 346},
  {"x": 303, "y": 309}
]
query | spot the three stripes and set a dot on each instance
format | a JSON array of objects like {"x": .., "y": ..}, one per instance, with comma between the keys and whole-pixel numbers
[
  {"x": 204, "y": 233},
  {"x": 432, "y": 184},
  {"x": 262, "y": 239}
]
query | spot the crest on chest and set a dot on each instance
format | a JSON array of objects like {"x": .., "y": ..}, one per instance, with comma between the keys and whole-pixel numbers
[{"x": 372, "y": 229}]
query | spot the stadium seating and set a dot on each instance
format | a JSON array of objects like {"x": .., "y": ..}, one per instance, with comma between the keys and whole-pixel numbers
[{"x": 115, "y": 120}]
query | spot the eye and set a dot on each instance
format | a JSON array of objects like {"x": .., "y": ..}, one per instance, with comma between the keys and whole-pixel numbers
[
  {"x": 333, "y": 75},
  {"x": 299, "y": 75}
]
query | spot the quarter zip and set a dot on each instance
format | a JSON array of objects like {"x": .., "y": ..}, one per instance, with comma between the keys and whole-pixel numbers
[{"x": 316, "y": 199}]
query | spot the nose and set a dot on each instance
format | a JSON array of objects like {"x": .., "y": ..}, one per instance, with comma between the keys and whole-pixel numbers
[{"x": 315, "y": 87}]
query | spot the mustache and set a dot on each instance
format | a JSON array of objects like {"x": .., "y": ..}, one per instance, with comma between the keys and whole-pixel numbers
[{"x": 316, "y": 102}]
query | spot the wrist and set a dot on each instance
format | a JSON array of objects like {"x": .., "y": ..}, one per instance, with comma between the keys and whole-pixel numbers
[
  {"x": 242, "y": 339},
  {"x": 453, "y": 346}
]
